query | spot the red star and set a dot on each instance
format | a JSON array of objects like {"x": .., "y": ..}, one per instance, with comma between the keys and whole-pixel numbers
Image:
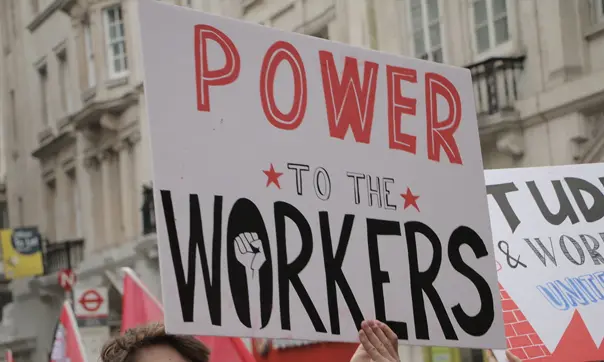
[
  {"x": 272, "y": 177},
  {"x": 410, "y": 199}
]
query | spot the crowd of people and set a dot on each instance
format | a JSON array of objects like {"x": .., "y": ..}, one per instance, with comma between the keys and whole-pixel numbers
[{"x": 151, "y": 343}]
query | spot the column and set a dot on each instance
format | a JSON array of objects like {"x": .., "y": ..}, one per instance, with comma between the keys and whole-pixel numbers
[
  {"x": 108, "y": 219},
  {"x": 61, "y": 204},
  {"x": 338, "y": 29},
  {"x": 84, "y": 173},
  {"x": 126, "y": 173},
  {"x": 561, "y": 32},
  {"x": 136, "y": 181},
  {"x": 391, "y": 26}
]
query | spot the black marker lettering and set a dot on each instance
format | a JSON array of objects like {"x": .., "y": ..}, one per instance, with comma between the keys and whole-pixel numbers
[
  {"x": 499, "y": 193},
  {"x": 387, "y": 204},
  {"x": 566, "y": 210},
  {"x": 379, "y": 277},
  {"x": 564, "y": 248},
  {"x": 289, "y": 273},
  {"x": 323, "y": 192},
  {"x": 298, "y": 168},
  {"x": 246, "y": 218},
  {"x": 356, "y": 189},
  {"x": 186, "y": 286},
  {"x": 422, "y": 282},
  {"x": 577, "y": 186},
  {"x": 551, "y": 255},
  {"x": 481, "y": 322},
  {"x": 592, "y": 248},
  {"x": 334, "y": 278}
]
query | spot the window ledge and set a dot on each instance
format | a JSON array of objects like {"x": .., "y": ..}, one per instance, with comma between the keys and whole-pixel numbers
[
  {"x": 45, "y": 134},
  {"x": 247, "y": 4},
  {"x": 117, "y": 81},
  {"x": 509, "y": 48},
  {"x": 594, "y": 31},
  {"x": 88, "y": 94},
  {"x": 45, "y": 14}
]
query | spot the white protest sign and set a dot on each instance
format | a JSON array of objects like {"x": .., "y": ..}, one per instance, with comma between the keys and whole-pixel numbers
[
  {"x": 302, "y": 186},
  {"x": 549, "y": 236}
]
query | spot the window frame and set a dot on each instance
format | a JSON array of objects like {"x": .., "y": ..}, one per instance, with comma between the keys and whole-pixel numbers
[
  {"x": 598, "y": 7},
  {"x": 44, "y": 94},
  {"x": 112, "y": 72},
  {"x": 64, "y": 80},
  {"x": 426, "y": 24},
  {"x": 51, "y": 208},
  {"x": 493, "y": 47},
  {"x": 89, "y": 54}
]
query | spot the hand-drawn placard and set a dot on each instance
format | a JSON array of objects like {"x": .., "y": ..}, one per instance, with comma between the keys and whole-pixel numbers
[
  {"x": 549, "y": 237},
  {"x": 303, "y": 186}
]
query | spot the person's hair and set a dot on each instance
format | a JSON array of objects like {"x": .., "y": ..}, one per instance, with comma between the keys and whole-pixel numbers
[{"x": 124, "y": 348}]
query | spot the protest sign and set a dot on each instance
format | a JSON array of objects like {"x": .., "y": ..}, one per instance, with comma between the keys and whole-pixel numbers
[
  {"x": 303, "y": 186},
  {"x": 549, "y": 235}
]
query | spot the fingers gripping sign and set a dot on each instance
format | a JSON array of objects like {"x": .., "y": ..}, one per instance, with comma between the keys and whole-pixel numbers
[
  {"x": 378, "y": 343},
  {"x": 249, "y": 252}
]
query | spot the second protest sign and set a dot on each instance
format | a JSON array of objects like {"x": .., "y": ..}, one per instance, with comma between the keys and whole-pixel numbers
[{"x": 303, "y": 186}]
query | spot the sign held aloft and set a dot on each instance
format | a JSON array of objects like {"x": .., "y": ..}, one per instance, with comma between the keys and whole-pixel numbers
[
  {"x": 547, "y": 223},
  {"x": 303, "y": 186}
]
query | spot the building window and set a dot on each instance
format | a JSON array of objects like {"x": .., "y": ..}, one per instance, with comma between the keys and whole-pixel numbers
[
  {"x": 117, "y": 59},
  {"x": 51, "y": 212},
  {"x": 426, "y": 30},
  {"x": 90, "y": 67},
  {"x": 64, "y": 82},
  {"x": 490, "y": 24},
  {"x": 13, "y": 115},
  {"x": 598, "y": 10},
  {"x": 43, "y": 75}
]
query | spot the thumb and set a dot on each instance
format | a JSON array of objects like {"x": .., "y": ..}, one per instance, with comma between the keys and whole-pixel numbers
[{"x": 257, "y": 244}]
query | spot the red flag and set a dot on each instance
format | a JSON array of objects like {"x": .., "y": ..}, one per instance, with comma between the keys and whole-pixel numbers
[
  {"x": 9, "y": 356},
  {"x": 68, "y": 343},
  {"x": 140, "y": 307}
]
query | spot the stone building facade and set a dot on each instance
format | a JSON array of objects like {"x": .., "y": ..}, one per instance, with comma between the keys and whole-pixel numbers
[{"x": 75, "y": 145}]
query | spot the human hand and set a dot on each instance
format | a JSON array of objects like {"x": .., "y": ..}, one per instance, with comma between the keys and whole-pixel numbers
[
  {"x": 249, "y": 251},
  {"x": 378, "y": 343},
  {"x": 511, "y": 357}
]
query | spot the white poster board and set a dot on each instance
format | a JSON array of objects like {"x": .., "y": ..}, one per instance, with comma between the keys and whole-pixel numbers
[
  {"x": 302, "y": 186},
  {"x": 549, "y": 241}
]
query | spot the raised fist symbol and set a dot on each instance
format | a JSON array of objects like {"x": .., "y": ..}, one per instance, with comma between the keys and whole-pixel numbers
[{"x": 249, "y": 251}]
